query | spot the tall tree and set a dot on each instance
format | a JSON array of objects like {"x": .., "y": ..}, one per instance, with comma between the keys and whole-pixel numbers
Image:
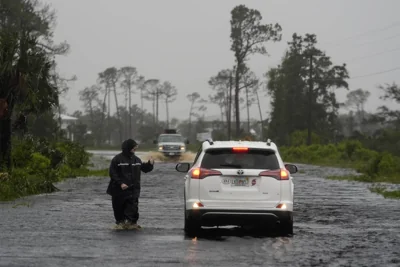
[
  {"x": 153, "y": 94},
  {"x": 248, "y": 37},
  {"x": 391, "y": 92},
  {"x": 140, "y": 85},
  {"x": 169, "y": 92},
  {"x": 250, "y": 81},
  {"x": 129, "y": 77},
  {"x": 26, "y": 51},
  {"x": 90, "y": 96},
  {"x": 357, "y": 99},
  {"x": 110, "y": 78},
  {"x": 219, "y": 99},
  {"x": 302, "y": 90},
  {"x": 256, "y": 89},
  {"x": 222, "y": 84},
  {"x": 194, "y": 99}
]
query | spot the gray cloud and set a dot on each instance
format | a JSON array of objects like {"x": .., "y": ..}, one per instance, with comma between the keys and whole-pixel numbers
[{"x": 186, "y": 42}]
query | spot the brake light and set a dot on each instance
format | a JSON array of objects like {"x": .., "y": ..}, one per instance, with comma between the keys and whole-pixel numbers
[
  {"x": 201, "y": 173},
  {"x": 240, "y": 149},
  {"x": 280, "y": 174},
  {"x": 284, "y": 174}
]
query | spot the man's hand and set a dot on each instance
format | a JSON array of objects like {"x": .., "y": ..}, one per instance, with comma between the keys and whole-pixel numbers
[
  {"x": 124, "y": 186},
  {"x": 151, "y": 160}
]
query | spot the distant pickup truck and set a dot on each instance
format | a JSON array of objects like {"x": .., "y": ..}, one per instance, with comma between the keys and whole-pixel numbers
[{"x": 171, "y": 143}]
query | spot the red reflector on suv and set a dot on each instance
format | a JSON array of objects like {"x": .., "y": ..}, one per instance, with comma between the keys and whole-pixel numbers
[
  {"x": 280, "y": 174},
  {"x": 200, "y": 173}
]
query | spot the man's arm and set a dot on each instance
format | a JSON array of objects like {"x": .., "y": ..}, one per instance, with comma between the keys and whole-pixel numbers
[{"x": 113, "y": 171}]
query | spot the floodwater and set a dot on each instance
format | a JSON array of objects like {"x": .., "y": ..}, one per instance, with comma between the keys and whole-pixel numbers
[{"x": 337, "y": 223}]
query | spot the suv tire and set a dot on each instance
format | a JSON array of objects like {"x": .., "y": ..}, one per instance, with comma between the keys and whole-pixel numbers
[
  {"x": 286, "y": 227},
  {"x": 191, "y": 227}
]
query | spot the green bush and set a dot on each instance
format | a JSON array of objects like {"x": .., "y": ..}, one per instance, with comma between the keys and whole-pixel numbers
[
  {"x": 348, "y": 153},
  {"x": 75, "y": 155},
  {"x": 38, "y": 164}
]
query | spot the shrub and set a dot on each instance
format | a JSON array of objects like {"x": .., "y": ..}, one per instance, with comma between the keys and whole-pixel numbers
[{"x": 38, "y": 164}]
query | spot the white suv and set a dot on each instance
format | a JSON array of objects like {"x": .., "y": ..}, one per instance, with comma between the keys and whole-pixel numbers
[{"x": 238, "y": 183}]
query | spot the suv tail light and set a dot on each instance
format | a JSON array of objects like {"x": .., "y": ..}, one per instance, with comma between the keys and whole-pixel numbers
[
  {"x": 280, "y": 174},
  {"x": 200, "y": 173}
]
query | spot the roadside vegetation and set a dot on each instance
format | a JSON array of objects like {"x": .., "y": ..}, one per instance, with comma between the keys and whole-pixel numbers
[
  {"x": 35, "y": 152},
  {"x": 38, "y": 164},
  {"x": 373, "y": 166}
]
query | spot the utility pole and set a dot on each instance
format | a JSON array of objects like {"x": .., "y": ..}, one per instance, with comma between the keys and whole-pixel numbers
[{"x": 310, "y": 92}]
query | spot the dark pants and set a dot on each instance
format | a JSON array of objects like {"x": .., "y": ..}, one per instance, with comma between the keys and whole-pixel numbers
[{"x": 126, "y": 208}]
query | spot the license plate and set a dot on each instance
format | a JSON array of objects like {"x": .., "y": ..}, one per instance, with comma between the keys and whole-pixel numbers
[
  {"x": 171, "y": 154},
  {"x": 236, "y": 181}
]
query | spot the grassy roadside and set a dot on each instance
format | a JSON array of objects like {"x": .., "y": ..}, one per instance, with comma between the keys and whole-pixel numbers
[{"x": 373, "y": 167}]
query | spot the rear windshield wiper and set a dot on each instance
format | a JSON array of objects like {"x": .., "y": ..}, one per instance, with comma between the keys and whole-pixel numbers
[{"x": 231, "y": 165}]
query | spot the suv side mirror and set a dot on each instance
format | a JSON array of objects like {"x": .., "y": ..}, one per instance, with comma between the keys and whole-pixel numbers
[
  {"x": 155, "y": 142},
  {"x": 291, "y": 168},
  {"x": 187, "y": 141},
  {"x": 182, "y": 167}
]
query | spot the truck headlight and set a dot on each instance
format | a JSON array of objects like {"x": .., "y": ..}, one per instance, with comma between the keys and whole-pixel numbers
[
  {"x": 182, "y": 148},
  {"x": 160, "y": 148}
]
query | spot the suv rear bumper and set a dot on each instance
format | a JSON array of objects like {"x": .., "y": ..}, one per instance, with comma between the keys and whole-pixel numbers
[{"x": 219, "y": 217}]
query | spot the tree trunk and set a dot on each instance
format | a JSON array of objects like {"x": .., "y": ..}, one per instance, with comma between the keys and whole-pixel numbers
[
  {"x": 102, "y": 132},
  {"x": 157, "y": 96},
  {"x": 237, "y": 108},
  {"x": 91, "y": 115},
  {"x": 154, "y": 110},
  {"x": 248, "y": 109},
  {"x": 261, "y": 118},
  {"x": 109, "y": 114},
  {"x": 230, "y": 107},
  {"x": 141, "y": 107},
  {"x": 126, "y": 116},
  {"x": 190, "y": 122},
  {"x": 221, "y": 108},
  {"x": 166, "y": 105},
  {"x": 5, "y": 137},
  {"x": 5, "y": 144},
  {"x": 118, "y": 115},
  {"x": 310, "y": 93}
]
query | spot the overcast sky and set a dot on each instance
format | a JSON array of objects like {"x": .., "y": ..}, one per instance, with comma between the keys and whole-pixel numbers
[{"x": 186, "y": 42}]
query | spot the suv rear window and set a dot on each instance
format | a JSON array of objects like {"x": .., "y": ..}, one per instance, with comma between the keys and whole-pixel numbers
[{"x": 252, "y": 159}]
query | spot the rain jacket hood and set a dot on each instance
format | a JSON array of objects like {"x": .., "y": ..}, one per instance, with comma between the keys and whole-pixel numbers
[{"x": 127, "y": 146}]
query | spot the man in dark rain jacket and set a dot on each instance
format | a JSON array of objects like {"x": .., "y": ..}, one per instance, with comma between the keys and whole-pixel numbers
[{"x": 124, "y": 187}]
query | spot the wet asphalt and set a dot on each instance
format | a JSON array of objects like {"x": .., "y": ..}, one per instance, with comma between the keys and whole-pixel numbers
[{"x": 337, "y": 223}]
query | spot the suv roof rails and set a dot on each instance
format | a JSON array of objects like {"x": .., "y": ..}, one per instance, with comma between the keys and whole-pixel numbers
[{"x": 210, "y": 141}]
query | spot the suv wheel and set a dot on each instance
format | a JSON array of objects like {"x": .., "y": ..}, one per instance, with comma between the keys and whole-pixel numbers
[
  {"x": 286, "y": 227},
  {"x": 191, "y": 227}
]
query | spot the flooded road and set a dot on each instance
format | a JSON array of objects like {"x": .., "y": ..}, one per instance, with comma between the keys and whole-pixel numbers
[{"x": 337, "y": 223}]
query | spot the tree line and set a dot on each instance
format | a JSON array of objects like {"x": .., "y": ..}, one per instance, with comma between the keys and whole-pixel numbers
[{"x": 301, "y": 91}]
